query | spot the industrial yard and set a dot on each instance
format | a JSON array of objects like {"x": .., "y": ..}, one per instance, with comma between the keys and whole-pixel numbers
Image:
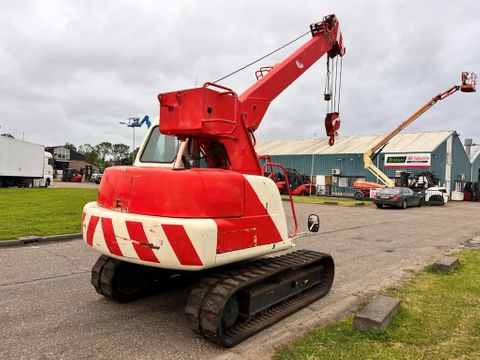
[
  {"x": 254, "y": 180},
  {"x": 51, "y": 302}
]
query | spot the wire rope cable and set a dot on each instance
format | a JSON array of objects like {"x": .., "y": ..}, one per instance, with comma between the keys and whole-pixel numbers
[
  {"x": 340, "y": 83},
  {"x": 261, "y": 58}
]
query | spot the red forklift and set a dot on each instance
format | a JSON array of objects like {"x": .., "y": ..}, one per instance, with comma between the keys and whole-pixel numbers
[{"x": 471, "y": 191}]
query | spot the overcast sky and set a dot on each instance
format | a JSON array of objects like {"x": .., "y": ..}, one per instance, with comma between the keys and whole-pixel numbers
[{"x": 71, "y": 70}]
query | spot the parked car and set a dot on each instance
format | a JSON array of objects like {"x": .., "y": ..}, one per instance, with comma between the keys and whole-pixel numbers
[
  {"x": 96, "y": 178},
  {"x": 76, "y": 178},
  {"x": 401, "y": 197}
]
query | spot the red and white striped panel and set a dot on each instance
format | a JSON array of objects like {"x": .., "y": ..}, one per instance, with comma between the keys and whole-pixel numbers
[
  {"x": 191, "y": 244},
  {"x": 150, "y": 240},
  {"x": 269, "y": 196},
  {"x": 270, "y": 233}
]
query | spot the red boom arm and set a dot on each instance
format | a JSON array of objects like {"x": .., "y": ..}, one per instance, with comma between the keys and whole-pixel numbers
[
  {"x": 256, "y": 99},
  {"x": 221, "y": 124}
]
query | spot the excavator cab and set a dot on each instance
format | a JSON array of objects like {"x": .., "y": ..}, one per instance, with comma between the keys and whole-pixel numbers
[{"x": 469, "y": 82}]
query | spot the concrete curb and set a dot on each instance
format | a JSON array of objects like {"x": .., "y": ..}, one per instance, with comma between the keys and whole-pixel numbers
[
  {"x": 330, "y": 203},
  {"x": 446, "y": 264},
  {"x": 35, "y": 240},
  {"x": 377, "y": 314}
]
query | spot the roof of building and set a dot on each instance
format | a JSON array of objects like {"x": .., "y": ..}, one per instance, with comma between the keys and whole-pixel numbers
[
  {"x": 404, "y": 142},
  {"x": 474, "y": 152}
]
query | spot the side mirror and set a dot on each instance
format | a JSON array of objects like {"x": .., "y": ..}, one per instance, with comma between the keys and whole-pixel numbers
[{"x": 313, "y": 223}]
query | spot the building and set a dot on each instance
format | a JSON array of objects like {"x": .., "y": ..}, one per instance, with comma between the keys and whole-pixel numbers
[
  {"x": 439, "y": 152},
  {"x": 65, "y": 158},
  {"x": 473, "y": 152}
]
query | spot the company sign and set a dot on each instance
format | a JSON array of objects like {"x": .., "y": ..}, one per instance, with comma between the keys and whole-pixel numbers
[{"x": 417, "y": 160}]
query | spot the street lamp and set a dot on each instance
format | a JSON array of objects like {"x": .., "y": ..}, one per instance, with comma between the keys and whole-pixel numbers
[
  {"x": 131, "y": 123},
  {"x": 134, "y": 122}
]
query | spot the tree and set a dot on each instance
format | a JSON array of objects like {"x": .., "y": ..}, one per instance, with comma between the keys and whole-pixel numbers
[
  {"x": 8, "y": 135},
  {"x": 120, "y": 152},
  {"x": 133, "y": 154},
  {"x": 91, "y": 154},
  {"x": 85, "y": 148},
  {"x": 70, "y": 146},
  {"x": 103, "y": 150}
]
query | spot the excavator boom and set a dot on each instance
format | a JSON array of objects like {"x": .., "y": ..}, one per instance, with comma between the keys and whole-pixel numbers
[
  {"x": 223, "y": 123},
  {"x": 326, "y": 38}
]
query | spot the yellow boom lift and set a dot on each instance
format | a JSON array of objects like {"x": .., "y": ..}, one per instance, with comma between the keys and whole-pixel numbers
[{"x": 468, "y": 83}]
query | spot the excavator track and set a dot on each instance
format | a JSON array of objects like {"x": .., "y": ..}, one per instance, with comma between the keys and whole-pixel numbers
[
  {"x": 232, "y": 305},
  {"x": 124, "y": 281}
]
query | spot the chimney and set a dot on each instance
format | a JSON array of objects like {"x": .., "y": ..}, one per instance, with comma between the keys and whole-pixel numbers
[{"x": 468, "y": 146}]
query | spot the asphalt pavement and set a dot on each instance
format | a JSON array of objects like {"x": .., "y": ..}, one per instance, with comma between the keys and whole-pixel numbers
[
  {"x": 80, "y": 185},
  {"x": 49, "y": 310}
]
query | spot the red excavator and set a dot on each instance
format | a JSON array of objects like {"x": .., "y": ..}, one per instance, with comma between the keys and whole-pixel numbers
[{"x": 169, "y": 217}]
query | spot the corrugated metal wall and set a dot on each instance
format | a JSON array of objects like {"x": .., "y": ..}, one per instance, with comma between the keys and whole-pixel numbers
[
  {"x": 460, "y": 161},
  {"x": 439, "y": 162},
  {"x": 351, "y": 165},
  {"x": 475, "y": 170}
]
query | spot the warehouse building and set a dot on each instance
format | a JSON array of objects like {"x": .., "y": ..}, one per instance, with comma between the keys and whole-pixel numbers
[
  {"x": 473, "y": 151},
  {"x": 441, "y": 153}
]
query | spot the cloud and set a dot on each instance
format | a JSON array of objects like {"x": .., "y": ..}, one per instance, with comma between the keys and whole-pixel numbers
[{"x": 72, "y": 70}]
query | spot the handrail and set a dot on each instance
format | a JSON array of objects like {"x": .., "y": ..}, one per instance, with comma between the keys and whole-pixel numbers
[
  {"x": 227, "y": 92},
  {"x": 271, "y": 164}
]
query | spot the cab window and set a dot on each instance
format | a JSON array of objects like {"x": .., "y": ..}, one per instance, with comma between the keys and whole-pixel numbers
[{"x": 159, "y": 148}]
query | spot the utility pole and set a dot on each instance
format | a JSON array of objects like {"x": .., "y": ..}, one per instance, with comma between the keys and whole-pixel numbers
[
  {"x": 133, "y": 127},
  {"x": 313, "y": 161}
]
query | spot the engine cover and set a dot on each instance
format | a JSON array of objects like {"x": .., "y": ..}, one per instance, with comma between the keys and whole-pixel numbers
[{"x": 189, "y": 193}]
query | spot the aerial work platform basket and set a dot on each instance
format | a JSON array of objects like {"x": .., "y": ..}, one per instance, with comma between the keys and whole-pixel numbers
[{"x": 469, "y": 82}]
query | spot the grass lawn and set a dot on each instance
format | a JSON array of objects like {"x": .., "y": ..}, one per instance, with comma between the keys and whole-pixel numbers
[
  {"x": 41, "y": 211},
  {"x": 439, "y": 318},
  {"x": 326, "y": 199}
]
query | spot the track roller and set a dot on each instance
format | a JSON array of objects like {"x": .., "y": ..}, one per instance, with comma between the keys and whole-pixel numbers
[{"x": 123, "y": 281}]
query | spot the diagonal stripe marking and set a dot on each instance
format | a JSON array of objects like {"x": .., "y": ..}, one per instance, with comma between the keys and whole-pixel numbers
[
  {"x": 92, "y": 225},
  {"x": 110, "y": 238},
  {"x": 137, "y": 234},
  {"x": 181, "y": 245}
]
